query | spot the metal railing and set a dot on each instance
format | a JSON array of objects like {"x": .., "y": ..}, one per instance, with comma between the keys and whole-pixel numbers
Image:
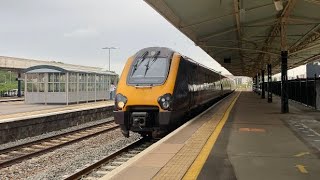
[{"x": 300, "y": 90}]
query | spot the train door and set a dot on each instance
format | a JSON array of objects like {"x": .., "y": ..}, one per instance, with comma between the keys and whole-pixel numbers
[
  {"x": 190, "y": 75},
  {"x": 221, "y": 84},
  {"x": 181, "y": 92},
  {"x": 193, "y": 76}
]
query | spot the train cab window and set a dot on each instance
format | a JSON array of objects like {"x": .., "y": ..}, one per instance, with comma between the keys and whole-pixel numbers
[
  {"x": 149, "y": 71},
  {"x": 156, "y": 68}
]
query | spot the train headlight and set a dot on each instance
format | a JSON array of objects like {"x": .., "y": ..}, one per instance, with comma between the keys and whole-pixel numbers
[
  {"x": 165, "y": 105},
  {"x": 120, "y": 104},
  {"x": 120, "y": 101},
  {"x": 165, "y": 101}
]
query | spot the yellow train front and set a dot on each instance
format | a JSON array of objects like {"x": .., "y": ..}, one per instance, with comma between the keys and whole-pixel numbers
[{"x": 158, "y": 86}]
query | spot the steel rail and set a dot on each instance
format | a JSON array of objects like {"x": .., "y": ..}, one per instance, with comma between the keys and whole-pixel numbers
[
  {"x": 12, "y": 155},
  {"x": 87, "y": 170}
]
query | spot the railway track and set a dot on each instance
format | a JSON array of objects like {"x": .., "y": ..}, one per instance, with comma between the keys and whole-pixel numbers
[
  {"x": 110, "y": 162},
  {"x": 18, "y": 153}
]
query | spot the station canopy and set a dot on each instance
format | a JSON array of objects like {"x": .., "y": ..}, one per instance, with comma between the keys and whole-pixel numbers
[{"x": 246, "y": 35}]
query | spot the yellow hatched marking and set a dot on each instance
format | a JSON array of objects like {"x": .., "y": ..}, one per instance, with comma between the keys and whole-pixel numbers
[
  {"x": 197, "y": 165},
  {"x": 302, "y": 169},
  {"x": 301, "y": 154}
]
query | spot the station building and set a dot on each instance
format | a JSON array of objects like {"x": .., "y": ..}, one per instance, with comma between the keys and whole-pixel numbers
[{"x": 47, "y": 84}]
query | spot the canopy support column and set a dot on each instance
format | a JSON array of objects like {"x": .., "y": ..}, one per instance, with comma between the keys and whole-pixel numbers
[
  {"x": 284, "y": 68},
  {"x": 259, "y": 86},
  {"x": 263, "y": 94},
  {"x": 269, "y": 84},
  {"x": 284, "y": 79},
  {"x": 19, "y": 84},
  {"x": 255, "y": 84}
]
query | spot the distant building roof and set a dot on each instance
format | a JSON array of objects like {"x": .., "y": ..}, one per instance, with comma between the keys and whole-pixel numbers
[
  {"x": 22, "y": 64},
  {"x": 64, "y": 69}
]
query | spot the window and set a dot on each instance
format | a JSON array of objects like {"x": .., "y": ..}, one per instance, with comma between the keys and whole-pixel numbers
[
  {"x": 156, "y": 68},
  {"x": 82, "y": 82},
  {"x": 29, "y": 87},
  {"x": 32, "y": 82},
  {"x": 149, "y": 71},
  {"x": 56, "y": 82},
  {"x": 91, "y": 82},
  {"x": 41, "y": 81},
  {"x": 62, "y": 87},
  {"x": 72, "y": 82},
  {"x": 41, "y": 87}
]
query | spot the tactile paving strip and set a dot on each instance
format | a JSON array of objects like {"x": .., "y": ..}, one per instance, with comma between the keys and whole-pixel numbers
[{"x": 180, "y": 163}]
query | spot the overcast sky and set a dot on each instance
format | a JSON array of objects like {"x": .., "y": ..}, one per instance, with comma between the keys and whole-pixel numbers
[{"x": 75, "y": 31}]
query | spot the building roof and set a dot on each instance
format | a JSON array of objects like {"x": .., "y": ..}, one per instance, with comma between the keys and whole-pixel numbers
[
  {"x": 64, "y": 69},
  {"x": 247, "y": 33},
  {"x": 13, "y": 63}
]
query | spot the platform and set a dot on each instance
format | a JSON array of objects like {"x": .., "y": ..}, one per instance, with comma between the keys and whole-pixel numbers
[
  {"x": 248, "y": 141},
  {"x": 19, "y": 110},
  {"x": 19, "y": 120},
  {"x": 10, "y": 99}
]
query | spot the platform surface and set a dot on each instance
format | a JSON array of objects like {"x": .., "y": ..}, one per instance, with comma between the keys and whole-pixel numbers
[
  {"x": 18, "y": 109},
  {"x": 256, "y": 142},
  {"x": 172, "y": 157},
  {"x": 11, "y": 99}
]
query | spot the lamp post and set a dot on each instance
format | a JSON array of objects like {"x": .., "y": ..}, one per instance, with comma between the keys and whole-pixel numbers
[{"x": 109, "y": 48}]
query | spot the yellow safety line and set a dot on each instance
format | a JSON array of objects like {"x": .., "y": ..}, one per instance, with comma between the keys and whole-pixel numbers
[
  {"x": 302, "y": 169},
  {"x": 194, "y": 170},
  {"x": 301, "y": 154}
]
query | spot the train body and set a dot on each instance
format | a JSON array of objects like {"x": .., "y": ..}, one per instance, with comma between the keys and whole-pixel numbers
[{"x": 158, "y": 86}]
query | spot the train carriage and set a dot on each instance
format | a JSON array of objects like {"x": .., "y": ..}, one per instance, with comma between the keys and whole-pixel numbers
[{"x": 158, "y": 86}]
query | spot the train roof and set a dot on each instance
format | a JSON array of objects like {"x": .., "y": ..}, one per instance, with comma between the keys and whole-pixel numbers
[
  {"x": 164, "y": 51},
  {"x": 168, "y": 52}
]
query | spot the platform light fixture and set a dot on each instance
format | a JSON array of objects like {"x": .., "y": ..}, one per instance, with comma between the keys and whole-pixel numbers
[
  {"x": 109, "y": 48},
  {"x": 242, "y": 15},
  {"x": 278, "y": 4}
]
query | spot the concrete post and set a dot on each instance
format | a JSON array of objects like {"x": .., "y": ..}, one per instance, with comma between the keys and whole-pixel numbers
[
  {"x": 263, "y": 95},
  {"x": 269, "y": 84},
  {"x": 284, "y": 79}
]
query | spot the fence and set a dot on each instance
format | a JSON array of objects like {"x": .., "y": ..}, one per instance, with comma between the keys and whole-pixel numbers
[
  {"x": 299, "y": 90},
  {"x": 10, "y": 93}
]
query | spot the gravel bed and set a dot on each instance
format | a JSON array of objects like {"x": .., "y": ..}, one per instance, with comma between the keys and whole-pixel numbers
[
  {"x": 53, "y": 133},
  {"x": 65, "y": 161}
]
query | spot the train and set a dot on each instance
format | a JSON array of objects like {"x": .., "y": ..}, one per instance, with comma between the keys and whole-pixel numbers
[{"x": 159, "y": 86}]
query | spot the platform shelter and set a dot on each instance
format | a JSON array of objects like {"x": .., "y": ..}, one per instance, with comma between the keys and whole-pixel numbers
[{"x": 63, "y": 85}]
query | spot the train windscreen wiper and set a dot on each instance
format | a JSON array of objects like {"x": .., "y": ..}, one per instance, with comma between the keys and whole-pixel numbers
[
  {"x": 138, "y": 63},
  {"x": 154, "y": 58}
]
